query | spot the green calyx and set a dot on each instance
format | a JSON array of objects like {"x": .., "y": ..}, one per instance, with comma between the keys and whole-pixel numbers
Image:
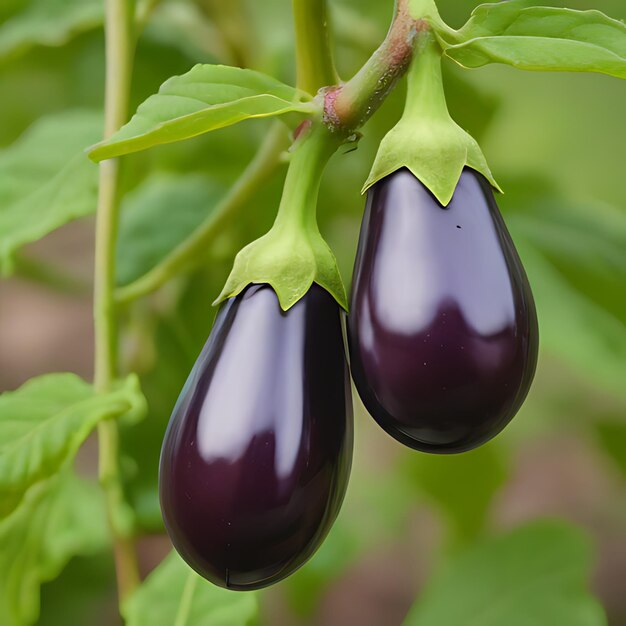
[
  {"x": 293, "y": 254},
  {"x": 427, "y": 140}
]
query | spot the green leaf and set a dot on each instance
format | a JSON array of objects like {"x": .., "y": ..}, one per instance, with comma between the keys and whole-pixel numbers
[
  {"x": 10, "y": 7},
  {"x": 612, "y": 436},
  {"x": 290, "y": 264},
  {"x": 83, "y": 589},
  {"x": 46, "y": 180},
  {"x": 541, "y": 38},
  {"x": 574, "y": 328},
  {"x": 573, "y": 255},
  {"x": 461, "y": 486},
  {"x": 59, "y": 518},
  {"x": 48, "y": 23},
  {"x": 533, "y": 576},
  {"x": 157, "y": 216},
  {"x": 183, "y": 25},
  {"x": 174, "y": 595},
  {"x": 585, "y": 242},
  {"x": 44, "y": 422},
  {"x": 206, "y": 98}
]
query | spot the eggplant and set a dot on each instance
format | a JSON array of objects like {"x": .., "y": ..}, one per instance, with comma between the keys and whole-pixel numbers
[
  {"x": 257, "y": 454},
  {"x": 442, "y": 329}
]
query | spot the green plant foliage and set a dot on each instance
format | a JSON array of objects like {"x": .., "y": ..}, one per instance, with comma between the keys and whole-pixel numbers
[
  {"x": 174, "y": 594},
  {"x": 206, "y": 98},
  {"x": 183, "y": 25},
  {"x": 575, "y": 262},
  {"x": 552, "y": 140},
  {"x": 48, "y": 23},
  {"x": 59, "y": 518},
  {"x": 45, "y": 421},
  {"x": 585, "y": 241},
  {"x": 46, "y": 180},
  {"x": 533, "y": 576},
  {"x": 10, "y": 7},
  {"x": 598, "y": 354},
  {"x": 541, "y": 38},
  {"x": 157, "y": 216},
  {"x": 460, "y": 486},
  {"x": 84, "y": 589},
  {"x": 612, "y": 436}
]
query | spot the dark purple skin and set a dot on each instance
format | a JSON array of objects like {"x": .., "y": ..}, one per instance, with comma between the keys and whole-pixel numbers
[
  {"x": 442, "y": 327},
  {"x": 256, "y": 458}
]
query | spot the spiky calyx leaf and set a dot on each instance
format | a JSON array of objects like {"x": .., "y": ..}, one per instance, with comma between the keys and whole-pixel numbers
[
  {"x": 290, "y": 263},
  {"x": 427, "y": 140},
  {"x": 293, "y": 255}
]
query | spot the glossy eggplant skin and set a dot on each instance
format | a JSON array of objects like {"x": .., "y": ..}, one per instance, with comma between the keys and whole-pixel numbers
[
  {"x": 442, "y": 328},
  {"x": 256, "y": 458}
]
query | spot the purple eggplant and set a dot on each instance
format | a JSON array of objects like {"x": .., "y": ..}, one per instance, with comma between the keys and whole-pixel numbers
[
  {"x": 442, "y": 328},
  {"x": 256, "y": 458}
]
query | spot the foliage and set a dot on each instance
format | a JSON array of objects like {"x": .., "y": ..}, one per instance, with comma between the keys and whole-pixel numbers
[
  {"x": 465, "y": 510},
  {"x": 174, "y": 594},
  {"x": 43, "y": 424},
  {"x": 541, "y": 38},
  {"x": 157, "y": 216},
  {"x": 48, "y": 23},
  {"x": 534, "y": 575},
  {"x": 561, "y": 168},
  {"x": 206, "y": 98},
  {"x": 46, "y": 176},
  {"x": 60, "y": 518}
]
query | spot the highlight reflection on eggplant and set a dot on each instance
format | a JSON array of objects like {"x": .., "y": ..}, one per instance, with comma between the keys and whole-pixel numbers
[
  {"x": 257, "y": 454},
  {"x": 442, "y": 328}
]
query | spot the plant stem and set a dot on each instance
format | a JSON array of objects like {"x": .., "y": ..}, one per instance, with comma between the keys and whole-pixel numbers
[
  {"x": 119, "y": 54},
  {"x": 298, "y": 204},
  {"x": 425, "y": 97},
  {"x": 191, "y": 251},
  {"x": 350, "y": 105},
  {"x": 314, "y": 58}
]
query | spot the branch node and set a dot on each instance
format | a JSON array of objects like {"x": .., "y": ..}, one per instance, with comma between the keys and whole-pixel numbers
[{"x": 349, "y": 105}]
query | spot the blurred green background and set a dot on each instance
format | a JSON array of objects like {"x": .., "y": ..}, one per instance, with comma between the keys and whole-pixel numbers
[{"x": 557, "y": 145}]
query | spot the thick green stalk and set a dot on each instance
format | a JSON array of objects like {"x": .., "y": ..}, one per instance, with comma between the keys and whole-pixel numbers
[
  {"x": 193, "y": 250},
  {"x": 350, "y": 105},
  {"x": 119, "y": 55},
  {"x": 314, "y": 58},
  {"x": 298, "y": 203},
  {"x": 425, "y": 98},
  {"x": 292, "y": 254}
]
